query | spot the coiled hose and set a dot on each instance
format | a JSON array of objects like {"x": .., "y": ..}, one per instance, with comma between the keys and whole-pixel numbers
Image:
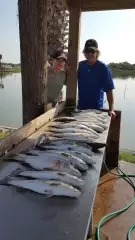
[{"x": 114, "y": 214}]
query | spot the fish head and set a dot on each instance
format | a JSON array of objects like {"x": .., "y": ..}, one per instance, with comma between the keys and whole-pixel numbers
[
  {"x": 42, "y": 139},
  {"x": 65, "y": 188},
  {"x": 74, "y": 171},
  {"x": 83, "y": 165}
]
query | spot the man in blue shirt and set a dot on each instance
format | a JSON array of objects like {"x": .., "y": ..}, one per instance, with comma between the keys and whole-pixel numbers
[{"x": 94, "y": 78}]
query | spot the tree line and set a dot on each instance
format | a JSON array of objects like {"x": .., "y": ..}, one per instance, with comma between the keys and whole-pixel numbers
[{"x": 122, "y": 66}]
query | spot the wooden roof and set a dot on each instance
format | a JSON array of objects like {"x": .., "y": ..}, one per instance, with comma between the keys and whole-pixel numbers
[{"x": 100, "y": 5}]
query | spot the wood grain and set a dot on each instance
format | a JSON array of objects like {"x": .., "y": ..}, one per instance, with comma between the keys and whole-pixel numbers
[{"x": 24, "y": 132}]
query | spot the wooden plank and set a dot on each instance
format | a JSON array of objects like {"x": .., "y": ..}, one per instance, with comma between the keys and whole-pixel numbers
[
  {"x": 112, "y": 149},
  {"x": 74, "y": 36},
  {"x": 24, "y": 132},
  {"x": 101, "y": 5}
]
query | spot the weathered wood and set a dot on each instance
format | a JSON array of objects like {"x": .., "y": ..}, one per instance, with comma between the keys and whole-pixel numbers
[
  {"x": 24, "y": 132},
  {"x": 33, "y": 45},
  {"x": 73, "y": 48},
  {"x": 57, "y": 20},
  {"x": 101, "y": 5},
  {"x": 112, "y": 149}
]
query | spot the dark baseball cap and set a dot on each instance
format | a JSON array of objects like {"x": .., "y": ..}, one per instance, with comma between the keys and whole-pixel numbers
[
  {"x": 59, "y": 55},
  {"x": 91, "y": 44}
]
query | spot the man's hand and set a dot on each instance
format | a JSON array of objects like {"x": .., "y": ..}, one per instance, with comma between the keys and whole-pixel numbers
[{"x": 112, "y": 114}]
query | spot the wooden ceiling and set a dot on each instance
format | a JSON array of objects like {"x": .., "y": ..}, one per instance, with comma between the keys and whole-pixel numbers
[{"x": 101, "y": 5}]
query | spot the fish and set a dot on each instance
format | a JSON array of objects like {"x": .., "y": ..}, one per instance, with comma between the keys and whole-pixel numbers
[
  {"x": 82, "y": 119},
  {"x": 73, "y": 125},
  {"x": 83, "y": 156},
  {"x": 97, "y": 122},
  {"x": 63, "y": 119},
  {"x": 86, "y": 144},
  {"x": 72, "y": 150},
  {"x": 69, "y": 158},
  {"x": 92, "y": 112},
  {"x": 65, "y": 146},
  {"x": 73, "y": 136},
  {"x": 93, "y": 126},
  {"x": 91, "y": 120},
  {"x": 54, "y": 175},
  {"x": 45, "y": 162},
  {"x": 63, "y": 156},
  {"x": 78, "y": 118},
  {"x": 72, "y": 130},
  {"x": 47, "y": 188}
]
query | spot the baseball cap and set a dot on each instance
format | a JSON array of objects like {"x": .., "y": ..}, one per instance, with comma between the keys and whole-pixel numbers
[
  {"x": 91, "y": 44},
  {"x": 59, "y": 55}
]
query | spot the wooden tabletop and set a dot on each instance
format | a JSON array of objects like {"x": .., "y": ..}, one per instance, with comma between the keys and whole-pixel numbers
[{"x": 25, "y": 215}]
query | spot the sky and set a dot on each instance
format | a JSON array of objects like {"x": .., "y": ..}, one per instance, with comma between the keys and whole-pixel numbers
[{"x": 113, "y": 30}]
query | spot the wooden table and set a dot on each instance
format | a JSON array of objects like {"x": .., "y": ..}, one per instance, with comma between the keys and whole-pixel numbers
[{"x": 25, "y": 215}]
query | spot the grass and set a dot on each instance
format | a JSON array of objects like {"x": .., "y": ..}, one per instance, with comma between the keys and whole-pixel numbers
[
  {"x": 3, "y": 135},
  {"x": 17, "y": 69},
  {"x": 127, "y": 157}
]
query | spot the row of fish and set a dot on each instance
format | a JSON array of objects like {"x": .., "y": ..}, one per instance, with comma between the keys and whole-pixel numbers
[
  {"x": 84, "y": 126},
  {"x": 56, "y": 165}
]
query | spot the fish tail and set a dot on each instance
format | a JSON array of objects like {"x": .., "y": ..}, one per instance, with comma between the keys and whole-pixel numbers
[{"x": 10, "y": 176}]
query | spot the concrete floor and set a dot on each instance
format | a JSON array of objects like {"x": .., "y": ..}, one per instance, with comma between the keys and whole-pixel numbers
[{"x": 114, "y": 193}]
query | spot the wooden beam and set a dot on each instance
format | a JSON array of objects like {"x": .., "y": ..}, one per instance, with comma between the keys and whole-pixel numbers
[
  {"x": 73, "y": 48},
  {"x": 102, "y": 5},
  {"x": 24, "y": 132}
]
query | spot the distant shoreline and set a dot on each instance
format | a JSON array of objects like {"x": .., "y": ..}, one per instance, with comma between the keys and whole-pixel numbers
[{"x": 118, "y": 70}]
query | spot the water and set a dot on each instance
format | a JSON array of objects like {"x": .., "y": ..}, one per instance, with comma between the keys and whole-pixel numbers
[
  {"x": 11, "y": 106},
  {"x": 11, "y": 101}
]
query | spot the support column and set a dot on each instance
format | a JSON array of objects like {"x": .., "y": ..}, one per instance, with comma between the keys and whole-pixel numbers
[
  {"x": 73, "y": 50},
  {"x": 33, "y": 45}
]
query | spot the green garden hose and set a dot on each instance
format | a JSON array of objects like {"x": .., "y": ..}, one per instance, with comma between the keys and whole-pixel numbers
[{"x": 109, "y": 216}]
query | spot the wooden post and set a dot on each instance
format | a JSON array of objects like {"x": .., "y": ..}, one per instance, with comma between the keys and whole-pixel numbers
[
  {"x": 33, "y": 44},
  {"x": 1, "y": 66},
  {"x": 112, "y": 149},
  {"x": 74, "y": 35}
]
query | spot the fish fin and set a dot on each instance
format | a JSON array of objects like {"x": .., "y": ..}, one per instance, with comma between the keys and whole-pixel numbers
[
  {"x": 48, "y": 193},
  {"x": 25, "y": 151},
  {"x": 15, "y": 172},
  {"x": 14, "y": 157},
  {"x": 10, "y": 176}
]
